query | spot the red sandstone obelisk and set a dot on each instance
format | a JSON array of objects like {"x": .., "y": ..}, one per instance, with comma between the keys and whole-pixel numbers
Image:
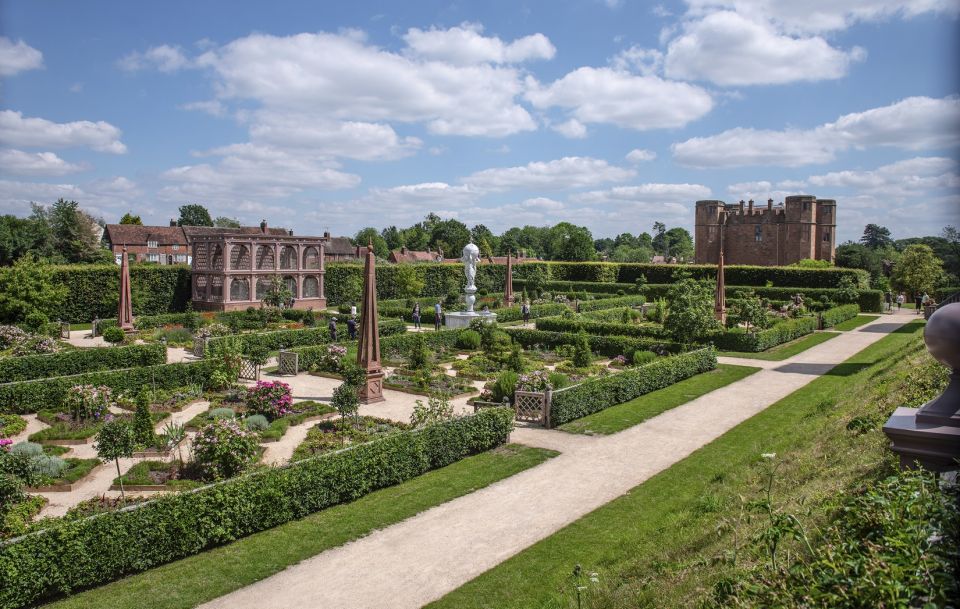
[
  {"x": 125, "y": 310},
  {"x": 720, "y": 297},
  {"x": 508, "y": 288},
  {"x": 368, "y": 351}
]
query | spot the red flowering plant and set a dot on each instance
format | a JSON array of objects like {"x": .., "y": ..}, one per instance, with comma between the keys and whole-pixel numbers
[{"x": 271, "y": 399}]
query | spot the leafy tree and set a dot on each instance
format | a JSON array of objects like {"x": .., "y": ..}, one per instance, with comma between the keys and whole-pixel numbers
[
  {"x": 278, "y": 293},
  {"x": 810, "y": 263},
  {"x": 625, "y": 253},
  {"x": 345, "y": 400},
  {"x": 918, "y": 270},
  {"x": 22, "y": 236},
  {"x": 604, "y": 245},
  {"x": 645, "y": 240},
  {"x": 28, "y": 287},
  {"x": 408, "y": 282},
  {"x": 114, "y": 441},
  {"x": 393, "y": 237},
  {"x": 847, "y": 290},
  {"x": 76, "y": 235},
  {"x": 481, "y": 233},
  {"x": 569, "y": 242},
  {"x": 367, "y": 235},
  {"x": 449, "y": 235},
  {"x": 680, "y": 243},
  {"x": 194, "y": 214},
  {"x": 625, "y": 239},
  {"x": 690, "y": 313},
  {"x": 416, "y": 237},
  {"x": 659, "y": 241},
  {"x": 749, "y": 310},
  {"x": 129, "y": 218},
  {"x": 876, "y": 236},
  {"x": 225, "y": 222}
]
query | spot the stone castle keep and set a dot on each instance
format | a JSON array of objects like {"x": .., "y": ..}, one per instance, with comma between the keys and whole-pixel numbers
[{"x": 802, "y": 227}]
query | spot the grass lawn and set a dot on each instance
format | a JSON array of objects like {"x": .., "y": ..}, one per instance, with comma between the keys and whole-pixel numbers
[
  {"x": 669, "y": 540},
  {"x": 781, "y": 352},
  {"x": 856, "y": 322},
  {"x": 203, "y": 577},
  {"x": 617, "y": 418}
]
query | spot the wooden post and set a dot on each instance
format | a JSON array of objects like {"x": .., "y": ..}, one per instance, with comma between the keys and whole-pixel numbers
[
  {"x": 508, "y": 288},
  {"x": 125, "y": 308}
]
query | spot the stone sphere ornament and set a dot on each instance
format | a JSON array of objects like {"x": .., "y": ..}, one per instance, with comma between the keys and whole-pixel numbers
[{"x": 942, "y": 336}]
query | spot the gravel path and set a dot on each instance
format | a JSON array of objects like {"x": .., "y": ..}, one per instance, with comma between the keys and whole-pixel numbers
[{"x": 424, "y": 557}]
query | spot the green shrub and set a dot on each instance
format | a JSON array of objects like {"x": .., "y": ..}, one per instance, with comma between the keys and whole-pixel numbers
[
  {"x": 597, "y": 394},
  {"x": 11, "y": 493},
  {"x": 504, "y": 386},
  {"x": 114, "y": 335},
  {"x": 469, "y": 340},
  {"x": 222, "y": 449},
  {"x": 641, "y": 357},
  {"x": 47, "y": 466},
  {"x": 35, "y": 321},
  {"x": 79, "y": 361},
  {"x": 419, "y": 358},
  {"x": 835, "y": 315},
  {"x": 111, "y": 545},
  {"x": 11, "y": 425},
  {"x": 221, "y": 413},
  {"x": 600, "y": 328},
  {"x": 558, "y": 380},
  {"x": 737, "y": 339},
  {"x": 582, "y": 357},
  {"x": 142, "y": 423},
  {"x": 51, "y": 393},
  {"x": 256, "y": 422}
]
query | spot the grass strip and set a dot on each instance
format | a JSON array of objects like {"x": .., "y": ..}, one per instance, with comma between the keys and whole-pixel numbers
[
  {"x": 620, "y": 417},
  {"x": 203, "y": 577},
  {"x": 856, "y": 322},
  {"x": 658, "y": 545},
  {"x": 782, "y": 352}
]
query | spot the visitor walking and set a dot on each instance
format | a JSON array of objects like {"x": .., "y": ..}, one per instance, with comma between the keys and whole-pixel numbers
[
  {"x": 925, "y": 300},
  {"x": 416, "y": 315},
  {"x": 333, "y": 329},
  {"x": 353, "y": 309},
  {"x": 888, "y": 300},
  {"x": 918, "y": 302},
  {"x": 525, "y": 311},
  {"x": 900, "y": 300},
  {"x": 437, "y": 316},
  {"x": 352, "y": 328}
]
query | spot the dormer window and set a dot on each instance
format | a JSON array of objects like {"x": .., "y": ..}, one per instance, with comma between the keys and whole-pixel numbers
[{"x": 152, "y": 244}]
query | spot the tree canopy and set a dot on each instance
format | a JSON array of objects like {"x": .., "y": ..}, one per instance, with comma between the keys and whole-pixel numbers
[
  {"x": 129, "y": 218},
  {"x": 194, "y": 214},
  {"x": 919, "y": 269},
  {"x": 876, "y": 236}
]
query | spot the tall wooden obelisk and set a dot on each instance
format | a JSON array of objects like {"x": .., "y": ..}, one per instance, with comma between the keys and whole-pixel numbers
[
  {"x": 125, "y": 308},
  {"x": 368, "y": 351}
]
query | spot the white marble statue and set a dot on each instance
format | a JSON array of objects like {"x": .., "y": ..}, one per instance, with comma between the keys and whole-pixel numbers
[{"x": 471, "y": 255}]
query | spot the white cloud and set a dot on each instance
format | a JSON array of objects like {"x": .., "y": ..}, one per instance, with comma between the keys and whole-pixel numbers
[
  {"x": 347, "y": 139},
  {"x": 212, "y": 107},
  {"x": 164, "y": 58},
  {"x": 648, "y": 194},
  {"x": 759, "y": 191},
  {"x": 465, "y": 45},
  {"x": 18, "y": 57},
  {"x": 101, "y": 198},
  {"x": 812, "y": 16},
  {"x": 18, "y": 162},
  {"x": 572, "y": 128},
  {"x": 898, "y": 180},
  {"x": 341, "y": 77},
  {"x": 568, "y": 172},
  {"x": 915, "y": 123},
  {"x": 253, "y": 171},
  {"x": 15, "y": 130},
  {"x": 730, "y": 50},
  {"x": 605, "y": 95},
  {"x": 636, "y": 58},
  {"x": 639, "y": 155}
]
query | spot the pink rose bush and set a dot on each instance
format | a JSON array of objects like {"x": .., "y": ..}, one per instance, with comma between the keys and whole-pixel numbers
[
  {"x": 271, "y": 399},
  {"x": 534, "y": 381},
  {"x": 223, "y": 449},
  {"x": 332, "y": 359}
]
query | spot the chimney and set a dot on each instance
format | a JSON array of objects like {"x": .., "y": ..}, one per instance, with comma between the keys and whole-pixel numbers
[
  {"x": 173, "y": 222},
  {"x": 263, "y": 226},
  {"x": 750, "y": 208},
  {"x": 770, "y": 205},
  {"x": 403, "y": 249},
  {"x": 290, "y": 232},
  {"x": 741, "y": 207}
]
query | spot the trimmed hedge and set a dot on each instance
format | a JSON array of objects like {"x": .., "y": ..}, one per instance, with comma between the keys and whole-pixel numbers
[
  {"x": 611, "y": 346},
  {"x": 739, "y": 339},
  {"x": 79, "y": 361},
  {"x": 397, "y": 346},
  {"x": 601, "y": 328},
  {"x": 591, "y": 287},
  {"x": 93, "y": 290},
  {"x": 320, "y": 335},
  {"x": 597, "y": 394},
  {"x": 610, "y": 303},
  {"x": 48, "y": 394},
  {"x": 835, "y": 315},
  {"x": 70, "y": 555},
  {"x": 870, "y": 301}
]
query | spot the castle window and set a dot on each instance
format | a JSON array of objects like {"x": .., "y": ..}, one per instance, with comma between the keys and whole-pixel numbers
[
  {"x": 826, "y": 235},
  {"x": 806, "y": 206},
  {"x": 758, "y": 233}
]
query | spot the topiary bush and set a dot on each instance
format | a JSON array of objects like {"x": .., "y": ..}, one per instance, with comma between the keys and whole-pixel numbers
[
  {"x": 641, "y": 357},
  {"x": 469, "y": 340},
  {"x": 504, "y": 386}
]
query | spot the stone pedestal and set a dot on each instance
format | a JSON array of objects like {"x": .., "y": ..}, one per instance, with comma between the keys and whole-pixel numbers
[
  {"x": 463, "y": 319},
  {"x": 371, "y": 391},
  {"x": 934, "y": 447}
]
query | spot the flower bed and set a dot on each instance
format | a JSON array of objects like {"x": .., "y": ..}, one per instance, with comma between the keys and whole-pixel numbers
[
  {"x": 331, "y": 435},
  {"x": 302, "y": 412},
  {"x": 11, "y": 425},
  {"x": 156, "y": 476},
  {"x": 427, "y": 384},
  {"x": 77, "y": 470}
]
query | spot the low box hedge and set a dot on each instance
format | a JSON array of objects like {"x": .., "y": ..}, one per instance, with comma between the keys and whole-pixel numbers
[
  {"x": 319, "y": 335},
  {"x": 79, "y": 361},
  {"x": 49, "y": 393},
  {"x": 738, "y": 339},
  {"x": 600, "y": 328},
  {"x": 836, "y": 315},
  {"x": 591, "y": 287},
  {"x": 611, "y": 346},
  {"x": 597, "y": 394},
  {"x": 870, "y": 301},
  {"x": 69, "y": 555}
]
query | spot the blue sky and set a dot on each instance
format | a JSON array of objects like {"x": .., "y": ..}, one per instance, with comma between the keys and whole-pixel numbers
[{"x": 611, "y": 114}]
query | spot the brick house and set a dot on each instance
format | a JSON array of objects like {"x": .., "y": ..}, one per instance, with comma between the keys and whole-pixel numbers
[
  {"x": 802, "y": 227},
  {"x": 405, "y": 255},
  {"x": 159, "y": 244}
]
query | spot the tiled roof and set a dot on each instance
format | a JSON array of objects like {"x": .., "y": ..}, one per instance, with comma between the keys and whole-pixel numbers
[
  {"x": 341, "y": 246},
  {"x": 405, "y": 255},
  {"x": 134, "y": 234}
]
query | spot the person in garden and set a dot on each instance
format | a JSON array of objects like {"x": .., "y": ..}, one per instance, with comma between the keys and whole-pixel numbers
[
  {"x": 437, "y": 316},
  {"x": 353, "y": 309},
  {"x": 900, "y": 300},
  {"x": 416, "y": 315},
  {"x": 352, "y": 328},
  {"x": 918, "y": 302},
  {"x": 525, "y": 311},
  {"x": 333, "y": 328},
  {"x": 888, "y": 300}
]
